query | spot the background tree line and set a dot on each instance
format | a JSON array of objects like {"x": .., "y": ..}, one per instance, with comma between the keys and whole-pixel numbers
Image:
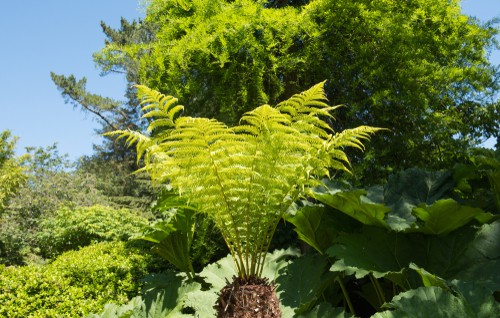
[{"x": 418, "y": 68}]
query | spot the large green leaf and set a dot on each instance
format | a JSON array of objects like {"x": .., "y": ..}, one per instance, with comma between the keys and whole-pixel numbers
[
  {"x": 429, "y": 279},
  {"x": 217, "y": 274},
  {"x": 164, "y": 295},
  {"x": 409, "y": 195},
  {"x": 447, "y": 215},
  {"x": 474, "y": 293},
  {"x": 413, "y": 186},
  {"x": 315, "y": 226},
  {"x": 302, "y": 281},
  {"x": 374, "y": 251},
  {"x": 435, "y": 302},
  {"x": 389, "y": 206},
  {"x": 117, "y": 311},
  {"x": 481, "y": 260},
  {"x": 494, "y": 179},
  {"x": 478, "y": 297},
  {"x": 354, "y": 204},
  {"x": 276, "y": 260},
  {"x": 410, "y": 188},
  {"x": 464, "y": 254}
]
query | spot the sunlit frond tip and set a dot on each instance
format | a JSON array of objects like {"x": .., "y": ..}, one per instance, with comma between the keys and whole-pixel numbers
[
  {"x": 312, "y": 101},
  {"x": 143, "y": 143},
  {"x": 163, "y": 108},
  {"x": 353, "y": 137}
]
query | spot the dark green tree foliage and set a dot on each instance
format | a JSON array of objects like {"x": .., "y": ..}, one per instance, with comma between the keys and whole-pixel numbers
[
  {"x": 116, "y": 181},
  {"x": 419, "y": 68},
  {"x": 478, "y": 180}
]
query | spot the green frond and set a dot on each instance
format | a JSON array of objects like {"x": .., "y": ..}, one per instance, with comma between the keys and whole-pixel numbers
[
  {"x": 158, "y": 105},
  {"x": 160, "y": 123},
  {"x": 264, "y": 117},
  {"x": 143, "y": 143},
  {"x": 246, "y": 129},
  {"x": 310, "y": 101},
  {"x": 353, "y": 137},
  {"x": 174, "y": 110},
  {"x": 155, "y": 113}
]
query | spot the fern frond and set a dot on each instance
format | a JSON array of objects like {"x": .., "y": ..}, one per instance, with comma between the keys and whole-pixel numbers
[
  {"x": 311, "y": 101},
  {"x": 244, "y": 178},
  {"x": 353, "y": 137},
  {"x": 264, "y": 117},
  {"x": 143, "y": 143},
  {"x": 158, "y": 105}
]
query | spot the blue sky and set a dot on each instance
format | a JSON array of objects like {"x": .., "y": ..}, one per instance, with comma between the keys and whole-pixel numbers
[{"x": 38, "y": 37}]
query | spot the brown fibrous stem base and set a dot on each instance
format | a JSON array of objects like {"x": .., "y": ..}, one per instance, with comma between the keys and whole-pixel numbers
[{"x": 252, "y": 297}]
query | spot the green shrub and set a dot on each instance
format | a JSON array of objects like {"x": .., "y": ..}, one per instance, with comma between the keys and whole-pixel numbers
[
  {"x": 70, "y": 229},
  {"x": 76, "y": 283}
]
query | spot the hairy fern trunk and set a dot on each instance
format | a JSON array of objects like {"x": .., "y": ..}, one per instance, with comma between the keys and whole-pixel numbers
[{"x": 245, "y": 177}]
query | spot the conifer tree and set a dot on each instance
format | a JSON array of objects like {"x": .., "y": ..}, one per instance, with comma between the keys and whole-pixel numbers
[{"x": 113, "y": 162}]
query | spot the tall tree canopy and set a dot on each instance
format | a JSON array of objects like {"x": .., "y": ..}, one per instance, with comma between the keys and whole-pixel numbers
[{"x": 419, "y": 68}]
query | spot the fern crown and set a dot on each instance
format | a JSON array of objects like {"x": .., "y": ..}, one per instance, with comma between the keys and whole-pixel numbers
[{"x": 244, "y": 177}]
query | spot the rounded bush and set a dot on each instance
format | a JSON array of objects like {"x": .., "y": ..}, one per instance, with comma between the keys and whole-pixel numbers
[
  {"x": 70, "y": 229},
  {"x": 74, "y": 284}
]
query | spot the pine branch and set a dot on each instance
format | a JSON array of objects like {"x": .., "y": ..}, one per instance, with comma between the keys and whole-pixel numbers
[{"x": 74, "y": 92}]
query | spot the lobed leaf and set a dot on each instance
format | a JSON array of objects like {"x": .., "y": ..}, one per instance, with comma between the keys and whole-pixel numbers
[{"x": 436, "y": 302}]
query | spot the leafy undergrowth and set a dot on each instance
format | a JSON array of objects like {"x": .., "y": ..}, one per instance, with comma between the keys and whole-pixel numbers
[
  {"x": 308, "y": 286},
  {"x": 409, "y": 248}
]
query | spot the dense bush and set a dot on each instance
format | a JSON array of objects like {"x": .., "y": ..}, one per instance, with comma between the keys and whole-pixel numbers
[
  {"x": 70, "y": 228},
  {"x": 51, "y": 182},
  {"x": 76, "y": 283}
]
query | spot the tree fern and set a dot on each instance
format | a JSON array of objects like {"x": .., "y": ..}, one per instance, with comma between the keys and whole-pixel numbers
[{"x": 245, "y": 177}]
